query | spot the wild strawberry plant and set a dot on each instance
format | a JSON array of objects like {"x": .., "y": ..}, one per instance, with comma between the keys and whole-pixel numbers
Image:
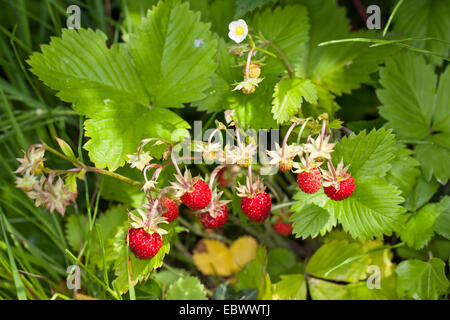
[{"x": 324, "y": 204}]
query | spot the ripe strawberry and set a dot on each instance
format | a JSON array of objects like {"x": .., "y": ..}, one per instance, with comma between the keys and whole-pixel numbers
[
  {"x": 199, "y": 197},
  {"x": 144, "y": 245},
  {"x": 214, "y": 223},
  {"x": 257, "y": 208},
  {"x": 346, "y": 188},
  {"x": 170, "y": 209},
  {"x": 283, "y": 228},
  {"x": 309, "y": 181}
]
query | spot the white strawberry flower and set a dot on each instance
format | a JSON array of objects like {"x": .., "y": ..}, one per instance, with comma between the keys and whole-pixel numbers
[{"x": 238, "y": 30}]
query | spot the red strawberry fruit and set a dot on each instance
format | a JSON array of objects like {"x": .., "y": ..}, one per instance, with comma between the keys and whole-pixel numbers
[
  {"x": 143, "y": 244},
  {"x": 199, "y": 197},
  {"x": 211, "y": 222},
  {"x": 283, "y": 228},
  {"x": 170, "y": 209},
  {"x": 346, "y": 188},
  {"x": 309, "y": 181},
  {"x": 257, "y": 207}
]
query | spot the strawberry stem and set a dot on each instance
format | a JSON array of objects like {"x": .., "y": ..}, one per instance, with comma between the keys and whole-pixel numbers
[
  {"x": 247, "y": 67},
  {"x": 286, "y": 137},
  {"x": 214, "y": 174},
  {"x": 172, "y": 158}
]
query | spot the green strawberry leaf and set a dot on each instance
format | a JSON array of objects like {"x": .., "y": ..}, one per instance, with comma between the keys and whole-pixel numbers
[
  {"x": 369, "y": 155},
  {"x": 421, "y": 193},
  {"x": 442, "y": 225},
  {"x": 404, "y": 171},
  {"x": 119, "y": 127},
  {"x": 419, "y": 229},
  {"x": 173, "y": 50},
  {"x": 288, "y": 97},
  {"x": 109, "y": 223},
  {"x": 423, "y": 280},
  {"x": 187, "y": 288},
  {"x": 311, "y": 215},
  {"x": 290, "y": 287},
  {"x": 76, "y": 230},
  {"x": 254, "y": 275},
  {"x": 71, "y": 66},
  {"x": 325, "y": 290},
  {"x": 372, "y": 210},
  {"x": 418, "y": 110},
  {"x": 343, "y": 67},
  {"x": 253, "y": 111},
  {"x": 225, "y": 75},
  {"x": 326, "y": 262},
  {"x": 431, "y": 21},
  {"x": 287, "y": 28},
  {"x": 245, "y": 6}
]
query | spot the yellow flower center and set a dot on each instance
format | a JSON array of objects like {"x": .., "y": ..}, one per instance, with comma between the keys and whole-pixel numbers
[{"x": 239, "y": 31}]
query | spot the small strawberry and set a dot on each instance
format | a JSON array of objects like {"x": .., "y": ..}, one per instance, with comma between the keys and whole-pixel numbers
[
  {"x": 214, "y": 223},
  {"x": 345, "y": 190},
  {"x": 145, "y": 236},
  {"x": 338, "y": 184},
  {"x": 255, "y": 203},
  {"x": 215, "y": 215},
  {"x": 283, "y": 228},
  {"x": 257, "y": 208},
  {"x": 309, "y": 181},
  {"x": 170, "y": 209},
  {"x": 144, "y": 245},
  {"x": 193, "y": 192}
]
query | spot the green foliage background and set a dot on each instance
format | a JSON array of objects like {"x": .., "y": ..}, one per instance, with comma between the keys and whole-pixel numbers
[{"x": 132, "y": 73}]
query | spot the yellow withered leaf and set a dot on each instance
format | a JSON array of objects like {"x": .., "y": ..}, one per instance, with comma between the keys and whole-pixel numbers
[
  {"x": 243, "y": 250},
  {"x": 213, "y": 257}
]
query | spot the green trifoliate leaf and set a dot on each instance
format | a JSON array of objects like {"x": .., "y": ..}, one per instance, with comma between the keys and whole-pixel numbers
[
  {"x": 245, "y": 6},
  {"x": 369, "y": 155},
  {"x": 404, "y": 171},
  {"x": 109, "y": 224},
  {"x": 418, "y": 110},
  {"x": 442, "y": 225},
  {"x": 311, "y": 216},
  {"x": 119, "y": 127},
  {"x": 372, "y": 210},
  {"x": 421, "y": 193},
  {"x": 431, "y": 20},
  {"x": 222, "y": 79},
  {"x": 140, "y": 269},
  {"x": 287, "y": 28},
  {"x": 85, "y": 72},
  {"x": 188, "y": 288},
  {"x": 173, "y": 52},
  {"x": 253, "y": 110},
  {"x": 419, "y": 229},
  {"x": 423, "y": 280},
  {"x": 254, "y": 275},
  {"x": 338, "y": 67},
  {"x": 76, "y": 230},
  {"x": 217, "y": 12},
  {"x": 290, "y": 287},
  {"x": 281, "y": 261},
  {"x": 328, "y": 262},
  {"x": 288, "y": 97},
  {"x": 325, "y": 290}
]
